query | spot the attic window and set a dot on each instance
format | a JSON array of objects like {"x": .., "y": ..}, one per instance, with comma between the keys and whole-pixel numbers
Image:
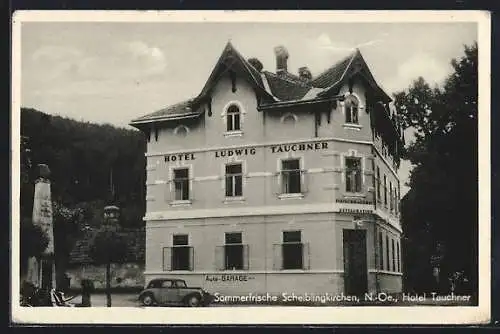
[
  {"x": 351, "y": 106},
  {"x": 233, "y": 118}
]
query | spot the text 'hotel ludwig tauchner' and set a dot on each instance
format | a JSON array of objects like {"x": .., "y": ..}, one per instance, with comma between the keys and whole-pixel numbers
[{"x": 286, "y": 182}]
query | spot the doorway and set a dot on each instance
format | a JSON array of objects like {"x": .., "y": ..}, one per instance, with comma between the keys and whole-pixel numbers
[{"x": 355, "y": 264}]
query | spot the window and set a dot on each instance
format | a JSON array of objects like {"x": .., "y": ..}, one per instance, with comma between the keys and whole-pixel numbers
[
  {"x": 166, "y": 284},
  {"x": 181, "y": 184},
  {"x": 233, "y": 118},
  {"x": 181, "y": 253},
  {"x": 234, "y": 180},
  {"x": 381, "y": 249},
  {"x": 289, "y": 119},
  {"x": 396, "y": 204},
  {"x": 154, "y": 284},
  {"x": 387, "y": 258},
  {"x": 378, "y": 183},
  {"x": 353, "y": 175},
  {"x": 292, "y": 250},
  {"x": 181, "y": 131},
  {"x": 233, "y": 252},
  {"x": 397, "y": 253},
  {"x": 385, "y": 190},
  {"x": 179, "y": 284},
  {"x": 390, "y": 197},
  {"x": 393, "y": 255},
  {"x": 290, "y": 176},
  {"x": 351, "y": 110}
]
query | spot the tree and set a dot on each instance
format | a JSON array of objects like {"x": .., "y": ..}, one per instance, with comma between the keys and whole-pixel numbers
[
  {"x": 443, "y": 200},
  {"x": 33, "y": 242},
  {"x": 108, "y": 247},
  {"x": 68, "y": 226}
]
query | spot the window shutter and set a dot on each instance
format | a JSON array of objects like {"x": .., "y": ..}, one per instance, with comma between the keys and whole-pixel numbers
[
  {"x": 169, "y": 190},
  {"x": 246, "y": 254},
  {"x": 306, "y": 256},
  {"x": 191, "y": 258},
  {"x": 167, "y": 258},
  {"x": 305, "y": 179},
  {"x": 219, "y": 258},
  {"x": 276, "y": 183},
  {"x": 277, "y": 257}
]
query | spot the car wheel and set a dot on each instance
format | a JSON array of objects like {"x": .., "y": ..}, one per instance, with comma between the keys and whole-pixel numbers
[
  {"x": 193, "y": 301},
  {"x": 147, "y": 300}
]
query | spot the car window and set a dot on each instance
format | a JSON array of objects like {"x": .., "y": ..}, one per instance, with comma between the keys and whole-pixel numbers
[
  {"x": 154, "y": 284},
  {"x": 166, "y": 284},
  {"x": 180, "y": 284}
]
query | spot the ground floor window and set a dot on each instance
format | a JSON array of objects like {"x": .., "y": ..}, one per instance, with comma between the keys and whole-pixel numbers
[
  {"x": 398, "y": 255},
  {"x": 233, "y": 252},
  {"x": 393, "y": 255},
  {"x": 381, "y": 250},
  {"x": 387, "y": 259},
  {"x": 292, "y": 250},
  {"x": 180, "y": 255}
]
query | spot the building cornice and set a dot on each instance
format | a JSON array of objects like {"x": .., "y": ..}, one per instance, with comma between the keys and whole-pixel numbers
[{"x": 247, "y": 211}]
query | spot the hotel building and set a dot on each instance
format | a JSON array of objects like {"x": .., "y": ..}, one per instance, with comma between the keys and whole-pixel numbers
[{"x": 276, "y": 182}]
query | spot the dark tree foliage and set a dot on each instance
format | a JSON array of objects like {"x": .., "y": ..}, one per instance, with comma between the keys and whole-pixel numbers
[
  {"x": 440, "y": 213},
  {"x": 91, "y": 164},
  {"x": 33, "y": 241}
]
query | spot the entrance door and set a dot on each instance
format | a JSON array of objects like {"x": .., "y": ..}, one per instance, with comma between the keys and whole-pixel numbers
[{"x": 355, "y": 266}]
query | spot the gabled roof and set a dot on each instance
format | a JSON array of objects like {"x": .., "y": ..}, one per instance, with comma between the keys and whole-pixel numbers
[
  {"x": 334, "y": 74},
  {"x": 280, "y": 88},
  {"x": 348, "y": 67},
  {"x": 232, "y": 59}
]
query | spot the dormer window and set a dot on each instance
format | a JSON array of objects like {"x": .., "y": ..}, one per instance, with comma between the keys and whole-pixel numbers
[
  {"x": 351, "y": 106},
  {"x": 233, "y": 118}
]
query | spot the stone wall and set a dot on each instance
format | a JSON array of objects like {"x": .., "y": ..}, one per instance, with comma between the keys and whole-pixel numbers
[{"x": 122, "y": 275}]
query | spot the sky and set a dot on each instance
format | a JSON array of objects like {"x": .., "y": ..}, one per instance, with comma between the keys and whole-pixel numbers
[{"x": 113, "y": 72}]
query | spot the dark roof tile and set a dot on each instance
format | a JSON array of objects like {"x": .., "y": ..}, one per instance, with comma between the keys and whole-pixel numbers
[
  {"x": 285, "y": 87},
  {"x": 179, "y": 109},
  {"x": 333, "y": 74}
]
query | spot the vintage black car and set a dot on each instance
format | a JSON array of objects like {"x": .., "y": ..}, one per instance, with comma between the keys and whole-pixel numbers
[{"x": 169, "y": 291}]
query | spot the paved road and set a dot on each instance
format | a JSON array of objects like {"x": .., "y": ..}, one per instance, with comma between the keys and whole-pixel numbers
[{"x": 119, "y": 300}]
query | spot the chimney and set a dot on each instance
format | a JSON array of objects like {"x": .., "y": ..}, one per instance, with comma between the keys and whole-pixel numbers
[
  {"x": 281, "y": 59},
  {"x": 305, "y": 73}
]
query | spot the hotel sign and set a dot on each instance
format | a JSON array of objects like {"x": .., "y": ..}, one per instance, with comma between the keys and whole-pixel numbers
[{"x": 250, "y": 151}]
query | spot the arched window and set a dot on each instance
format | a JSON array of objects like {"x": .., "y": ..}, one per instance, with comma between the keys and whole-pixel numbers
[
  {"x": 233, "y": 119},
  {"x": 289, "y": 119},
  {"x": 181, "y": 131},
  {"x": 351, "y": 106}
]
